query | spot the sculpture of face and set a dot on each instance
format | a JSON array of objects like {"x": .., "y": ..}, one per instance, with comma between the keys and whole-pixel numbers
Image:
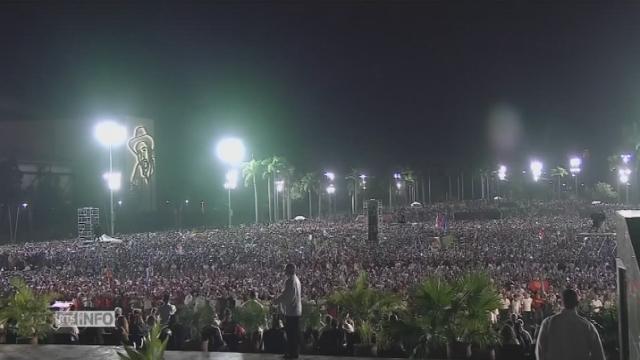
[
  {"x": 141, "y": 146},
  {"x": 145, "y": 160}
]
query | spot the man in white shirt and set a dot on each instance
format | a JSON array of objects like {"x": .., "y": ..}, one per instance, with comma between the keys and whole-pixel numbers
[
  {"x": 290, "y": 302},
  {"x": 526, "y": 306},
  {"x": 568, "y": 336},
  {"x": 516, "y": 304}
]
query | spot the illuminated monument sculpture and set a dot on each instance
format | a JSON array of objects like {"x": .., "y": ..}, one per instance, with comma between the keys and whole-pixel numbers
[{"x": 142, "y": 148}]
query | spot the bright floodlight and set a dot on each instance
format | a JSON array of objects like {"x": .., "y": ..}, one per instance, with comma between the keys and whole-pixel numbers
[
  {"x": 120, "y": 202},
  {"x": 110, "y": 133},
  {"x": 574, "y": 165},
  {"x": 623, "y": 175},
  {"x": 502, "y": 172},
  {"x": 24, "y": 205},
  {"x": 625, "y": 158},
  {"x": 330, "y": 175},
  {"x": 536, "y": 169},
  {"x": 331, "y": 189},
  {"x": 114, "y": 180},
  {"x": 575, "y": 162},
  {"x": 186, "y": 202},
  {"x": 231, "y": 179},
  {"x": 280, "y": 186},
  {"x": 397, "y": 176},
  {"x": 231, "y": 151}
]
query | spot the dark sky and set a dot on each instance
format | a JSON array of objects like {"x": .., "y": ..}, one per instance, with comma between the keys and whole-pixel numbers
[{"x": 333, "y": 84}]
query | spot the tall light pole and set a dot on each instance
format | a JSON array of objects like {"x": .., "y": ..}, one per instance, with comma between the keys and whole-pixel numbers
[
  {"x": 363, "y": 185},
  {"x": 331, "y": 176},
  {"x": 231, "y": 151},
  {"x": 230, "y": 184},
  {"x": 502, "y": 176},
  {"x": 331, "y": 189},
  {"x": 536, "y": 170},
  {"x": 624, "y": 175},
  {"x": 575, "y": 164},
  {"x": 110, "y": 134},
  {"x": 279, "y": 189}
]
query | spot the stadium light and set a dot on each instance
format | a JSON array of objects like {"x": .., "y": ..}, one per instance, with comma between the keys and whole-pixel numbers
[
  {"x": 623, "y": 175},
  {"x": 114, "y": 180},
  {"x": 110, "y": 133},
  {"x": 231, "y": 182},
  {"x": 330, "y": 175},
  {"x": 397, "y": 176},
  {"x": 502, "y": 172},
  {"x": 231, "y": 151},
  {"x": 363, "y": 181},
  {"x": 574, "y": 165},
  {"x": 536, "y": 169},
  {"x": 574, "y": 169},
  {"x": 24, "y": 205}
]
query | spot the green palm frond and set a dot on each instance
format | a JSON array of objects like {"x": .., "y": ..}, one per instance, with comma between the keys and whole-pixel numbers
[
  {"x": 30, "y": 310},
  {"x": 153, "y": 348}
]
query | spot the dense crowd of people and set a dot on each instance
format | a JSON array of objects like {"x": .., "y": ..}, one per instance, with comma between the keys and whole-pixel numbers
[{"x": 532, "y": 252}]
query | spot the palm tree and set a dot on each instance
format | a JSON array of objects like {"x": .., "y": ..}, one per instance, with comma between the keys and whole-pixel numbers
[
  {"x": 448, "y": 312},
  {"x": 270, "y": 168},
  {"x": 250, "y": 171},
  {"x": 409, "y": 178},
  {"x": 30, "y": 311},
  {"x": 558, "y": 173},
  {"x": 366, "y": 305},
  {"x": 353, "y": 186},
  {"x": 287, "y": 173},
  {"x": 309, "y": 184}
]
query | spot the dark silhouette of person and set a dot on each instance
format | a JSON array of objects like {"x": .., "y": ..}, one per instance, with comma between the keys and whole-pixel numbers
[
  {"x": 290, "y": 302},
  {"x": 567, "y": 335}
]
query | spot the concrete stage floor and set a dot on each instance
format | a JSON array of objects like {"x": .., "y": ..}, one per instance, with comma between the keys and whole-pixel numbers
[{"x": 86, "y": 352}]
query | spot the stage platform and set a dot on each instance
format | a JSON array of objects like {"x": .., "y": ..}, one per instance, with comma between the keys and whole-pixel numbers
[{"x": 85, "y": 352}]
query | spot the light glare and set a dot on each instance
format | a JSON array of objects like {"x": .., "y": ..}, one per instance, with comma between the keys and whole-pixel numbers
[
  {"x": 231, "y": 151},
  {"x": 502, "y": 172},
  {"x": 536, "y": 169},
  {"x": 110, "y": 133},
  {"x": 231, "y": 178},
  {"x": 114, "y": 180}
]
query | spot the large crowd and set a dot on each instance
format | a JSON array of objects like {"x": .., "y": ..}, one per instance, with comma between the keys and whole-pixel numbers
[{"x": 532, "y": 252}]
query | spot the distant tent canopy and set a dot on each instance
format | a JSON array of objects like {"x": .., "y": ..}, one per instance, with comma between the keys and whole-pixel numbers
[{"x": 108, "y": 239}]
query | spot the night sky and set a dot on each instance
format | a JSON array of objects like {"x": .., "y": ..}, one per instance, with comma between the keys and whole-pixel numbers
[{"x": 335, "y": 84}]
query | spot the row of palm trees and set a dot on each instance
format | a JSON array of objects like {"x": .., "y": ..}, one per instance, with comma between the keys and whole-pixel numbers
[{"x": 282, "y": 186}]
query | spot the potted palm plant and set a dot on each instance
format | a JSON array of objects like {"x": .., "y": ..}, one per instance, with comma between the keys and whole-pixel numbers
[
  {"x": 253, "y": 317},
  {"x": 368, "y": 307},
  {"x": 30, "y": 311},
  {"x": 153, "y": 348},
  {"x": 452, "y": 316}
]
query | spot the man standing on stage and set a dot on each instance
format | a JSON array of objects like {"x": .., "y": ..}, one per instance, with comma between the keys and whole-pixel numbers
[{"x": 290, "y": 302}]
